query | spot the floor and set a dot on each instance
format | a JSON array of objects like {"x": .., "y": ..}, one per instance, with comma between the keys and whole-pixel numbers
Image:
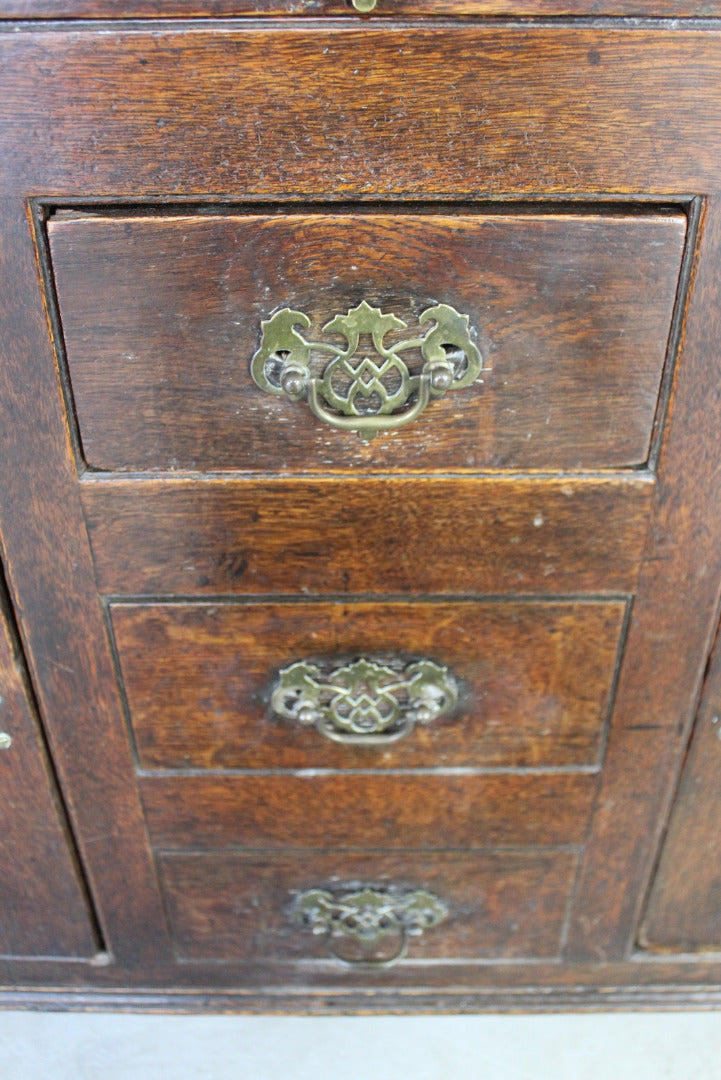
[{"x": 62, "y": 1046}]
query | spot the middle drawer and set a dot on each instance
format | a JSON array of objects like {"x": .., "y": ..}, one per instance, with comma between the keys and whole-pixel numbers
[{"x": 531, "y": 681}]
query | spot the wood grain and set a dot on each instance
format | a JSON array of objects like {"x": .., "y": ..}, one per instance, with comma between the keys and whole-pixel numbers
[
  {"x": 656, "y": 697},
  {"x": 366, "y": 811},
  {"x": 353, "y": 535},
  {"x": 43, "y": 905},
  {"x": 498, "y": 110},
  {"x": 571, "y": 313},
  {"x": 684, "y": 908},
  {"x": 535, "y": 678},
  {"x": 457, "y": 112},
  {"x": 60, "y": 618},
  {"x": 237, "y": 907},
  {"x": 114, "y": 9}
]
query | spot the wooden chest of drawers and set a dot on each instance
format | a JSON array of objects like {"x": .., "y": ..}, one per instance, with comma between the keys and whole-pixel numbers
[{"x": 360, "y": 401}]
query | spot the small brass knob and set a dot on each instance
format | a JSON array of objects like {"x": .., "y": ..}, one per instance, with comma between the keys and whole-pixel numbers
[
  {"x": 364, "y": 5},
  {"x": 5, "y": 741}
]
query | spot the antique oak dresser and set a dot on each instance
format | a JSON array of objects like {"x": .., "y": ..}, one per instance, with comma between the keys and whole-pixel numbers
[{"x": 360, "y": 516}]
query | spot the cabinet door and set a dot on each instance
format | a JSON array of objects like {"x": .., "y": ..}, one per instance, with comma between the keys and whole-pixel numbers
[
  {"x": 43, "y": 905},
  {"x": 684, "y": 910}
]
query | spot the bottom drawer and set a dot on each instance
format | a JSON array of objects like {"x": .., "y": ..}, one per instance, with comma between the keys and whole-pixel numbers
[{"x": 255, "y": 907}]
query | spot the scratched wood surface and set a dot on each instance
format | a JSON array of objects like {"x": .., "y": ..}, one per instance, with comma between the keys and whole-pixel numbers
[
  {"x": 498, "y": 111},
  {"x": 237, "y": 906},
  {"x": 461, "y": 112},
  {"x": 366, "y": 810},
  {"x": 43, "y": 904},
  {"x": 338, "y": 536},
  {"x": 535, "y": 681},
  {"x": 571, "y": 314},
  {"x": 684, "y": 908},
  {"x": 387, "y": 9}
]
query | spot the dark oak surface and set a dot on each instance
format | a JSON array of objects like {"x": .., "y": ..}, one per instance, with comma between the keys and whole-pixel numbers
[
  {"x": 535, "y": 681},
  {"x": 501, "y": 904},
  {"x": 527, "y": 112},
  {"x": 684, "y": 908},
  {"x": 161, "y": 317},
  {"x": 43, "y": 904},
  {"x": 372, "y": 535},
  {"x": 366, "y": 811},
  {"x": 122, "y": 9}
]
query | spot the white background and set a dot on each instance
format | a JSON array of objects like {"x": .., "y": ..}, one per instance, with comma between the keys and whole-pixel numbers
[{"x": 72, "y": 1046}]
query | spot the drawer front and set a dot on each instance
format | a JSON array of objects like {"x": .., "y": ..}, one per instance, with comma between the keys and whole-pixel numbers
[
  {"x": 534, "y": 682},
  {"x": 242, "y": 907},
  {"x": 162, "y": 316}
]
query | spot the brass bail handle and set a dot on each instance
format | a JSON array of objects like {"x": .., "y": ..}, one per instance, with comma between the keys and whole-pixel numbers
[
  {"x": 373, "y": 392},
  {"x": 366, "y": 916},
  {"x": 368, "y": 962}
]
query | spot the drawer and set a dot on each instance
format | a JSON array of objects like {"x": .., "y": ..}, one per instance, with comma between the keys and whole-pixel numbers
[
  {"x": 565, "y": 316},
  {"x": 243, "y": 907},
  {"x": 532, "y": 682}
]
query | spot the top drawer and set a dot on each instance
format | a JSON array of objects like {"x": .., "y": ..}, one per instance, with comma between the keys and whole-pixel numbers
[{"x": 162, "y": 316}]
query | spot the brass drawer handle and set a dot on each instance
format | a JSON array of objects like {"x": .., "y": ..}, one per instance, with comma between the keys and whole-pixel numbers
[
  {"x": 366, "y": 916},
  {"x": 354, "y": 391},
  {"x": 365, "y": 701}
]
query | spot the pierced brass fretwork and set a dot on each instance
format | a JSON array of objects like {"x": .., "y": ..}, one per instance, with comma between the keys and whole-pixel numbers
[
  {"x": 365, "y": 701},
  {"x": 366, "y": 390}
]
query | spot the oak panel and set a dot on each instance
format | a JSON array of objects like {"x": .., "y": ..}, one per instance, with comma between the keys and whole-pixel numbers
[
  {"x": 43, "y": 906},
  {"x": 50, "y": 573},
  {"x": 237, "y": 907},
  {"x": 366, "y": 811},
  {"x": 427, "y": 535},
  {"x": 684, "y": 908},
  {"x": 162, "y": 315},
  {"x": 535, "y": 678},
  {"x": 498, "y": 110},
  {"x": 39, "y": 9}
]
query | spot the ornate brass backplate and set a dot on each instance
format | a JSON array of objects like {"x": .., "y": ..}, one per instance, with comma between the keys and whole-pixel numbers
[
  {"x": 365, "y": 701},
  {"x": 366, "y": 916},
  {"x": 366, "y": 389}
]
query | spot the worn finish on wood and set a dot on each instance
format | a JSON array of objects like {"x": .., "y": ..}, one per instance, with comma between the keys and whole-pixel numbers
[
  {"x": 535, "y": 681},
  {"x": 449, "y": 113},
  {"x": 684, "y": 909},
  {"x": 570, "y": 312},
  {"x": 39, "y": 9},
  {"x": 496, "y": 110},
  {"x": 237, "y": 907},
  {"x": 426, "y": 535},
  {"x": 43, "y": 906},
  {"x": 60, "y": 618},
  {"x": 366, "y": 811},
  {"x": 673, "y": 620}
]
